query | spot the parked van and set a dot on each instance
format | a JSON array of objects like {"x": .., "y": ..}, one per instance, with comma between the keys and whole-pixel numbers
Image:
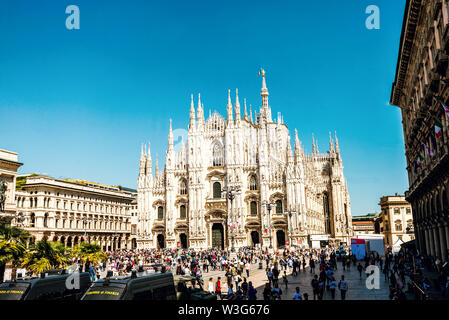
[
  {"x": 154, "y": 286},
  {"x": 45, "y": 287}
]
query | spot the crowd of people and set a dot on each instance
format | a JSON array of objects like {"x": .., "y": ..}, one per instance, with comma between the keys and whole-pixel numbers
[{"x": 233, "y": 270}]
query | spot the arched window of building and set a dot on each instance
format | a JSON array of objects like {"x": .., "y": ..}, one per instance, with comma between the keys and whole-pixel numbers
[
  {"x": 253, "y": 207},
  {"x": 398, "y": 225},
  {"x": 182, "y": 212},
  {"x": 32, "y": 220},
  {"x": 252, "y": 183},
  {"x": 217, "y": 190},
  {"x": 217, "y": 155},
  {"x": 160, "y": 213},
  {"x": 46, "y": 220},
  {"x": 183, "y": 187},
  {"x": 279, "y": 208}
]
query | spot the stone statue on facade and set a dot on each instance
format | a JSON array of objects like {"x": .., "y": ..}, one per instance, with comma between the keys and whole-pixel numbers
[{"x": 3, "y": 189}]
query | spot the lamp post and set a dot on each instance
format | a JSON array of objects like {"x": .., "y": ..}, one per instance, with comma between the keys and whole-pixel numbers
[
  {"x": 289, "y": 214},
  {"x": 268, "y": 205},
  {"x": 85, "y": 222},
  {"x": 230, "y": 193}
]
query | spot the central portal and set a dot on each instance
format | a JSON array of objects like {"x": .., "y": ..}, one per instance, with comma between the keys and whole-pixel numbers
[{"x": 217, "y": 236}]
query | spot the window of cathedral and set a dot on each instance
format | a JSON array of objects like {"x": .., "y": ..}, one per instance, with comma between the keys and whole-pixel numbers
[
  {"x": 279, "y": 206},
  {"x": 253, "y": 207},
  {"x": 252, "y": 183},
  {"x": 217, "y": 154},
  {"x": 217, "y": 190},
  {"x": 160, "y": 213},
  {"x": 182, "y": 212},
  {"x": 183, "y": 187}
]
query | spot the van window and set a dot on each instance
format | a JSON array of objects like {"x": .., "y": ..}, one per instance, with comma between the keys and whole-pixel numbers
[
  {"x": 162, "y": 293},
  {"x": 143, "y": 295}
]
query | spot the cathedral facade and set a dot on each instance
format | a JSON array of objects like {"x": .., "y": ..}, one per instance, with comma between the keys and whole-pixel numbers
[{"x": 238, "y": 182}]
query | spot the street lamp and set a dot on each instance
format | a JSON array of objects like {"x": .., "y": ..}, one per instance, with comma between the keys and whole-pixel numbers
[
  {"x": 289, "y": 214},
  {"x": 85, "y": 222},
  {"x": 268, "y": 205},
  {"x": 230, "y": 193}
]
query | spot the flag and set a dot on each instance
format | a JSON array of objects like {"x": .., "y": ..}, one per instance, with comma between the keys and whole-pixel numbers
[
  {"x": 428, "y": 150},
  {"x": 420, "y": 160},
  {"x": 446, "y": 109},
  {"x": 261, "y": 72},
  {"x": 438, "y": 128}
]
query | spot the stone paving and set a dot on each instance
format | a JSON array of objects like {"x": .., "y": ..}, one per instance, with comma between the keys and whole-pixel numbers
[
  {"x": 357, "y": 286},
  {"x": 357, "y": 289}
]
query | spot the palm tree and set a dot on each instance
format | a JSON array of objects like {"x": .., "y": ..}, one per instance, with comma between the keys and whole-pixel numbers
[
  {"x": 12, "y": 248},
  {"x": 89, "y": 253},
  {"x": 45, "y": 255}
]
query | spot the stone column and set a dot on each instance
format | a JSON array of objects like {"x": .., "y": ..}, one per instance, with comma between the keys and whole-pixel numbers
[
  {"x": 443, "y": 248},
  {"x": 436, "y": 241},
  {"x": 427, "y": 243},
  {"x": 446, "y": 229}
]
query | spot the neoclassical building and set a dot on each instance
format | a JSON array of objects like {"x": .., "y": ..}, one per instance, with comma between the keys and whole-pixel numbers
[
  {"x": 8, "y": 173},
  {"x": 73, "y": 211},
  {"x": 187, "y": 204},
  {"x": 421, "y": 90}
]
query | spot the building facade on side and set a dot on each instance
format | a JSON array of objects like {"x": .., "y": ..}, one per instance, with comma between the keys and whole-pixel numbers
[
  {"x": 364, "y": 224},
  {"x": 190, "y": 203},
  {"x": 421, "y": 91},
  {"x": 395, "y": 220},
  {"x": 74, "y": 211}
]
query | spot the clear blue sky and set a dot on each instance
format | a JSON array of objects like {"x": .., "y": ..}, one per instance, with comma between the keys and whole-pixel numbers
[{"x": 78, "y": 103}]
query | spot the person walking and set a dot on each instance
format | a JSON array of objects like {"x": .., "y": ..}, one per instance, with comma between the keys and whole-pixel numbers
[
  {"x": 247, "y": 266},
  {"x": 297, "y": 295},
  {"x": 285, "y": 280},
  {"x": 211, "y": 285},
  {"x": 267, "y": 292},
  {"x": 252, "y": 292},
  {"x": 315, "y": 286},
  {"x": 276, "y": 292},
  {"x": 343, "y": 287},
  {"x": 312, "y": 265},
  {"x": 360, "y": 268},
  {"x": 332, "y": 287},
  {"x": 218, "y": 288}
]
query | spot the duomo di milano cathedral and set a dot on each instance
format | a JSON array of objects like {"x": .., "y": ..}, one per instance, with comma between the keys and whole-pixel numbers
[{"x": 237, "y": 182}]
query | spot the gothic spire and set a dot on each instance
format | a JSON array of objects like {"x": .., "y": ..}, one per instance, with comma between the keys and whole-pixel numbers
[
  {"x": 170, "y": 139},
  {"x": 331, "y": 144},
  {"x": 250, "y": 114},
  {"x": 229, "y": 108},
  {"x": 142, "y": 161},
  {"x": 148, "y": 164},
  {"x": 313, "y": 144},
  {"x": 297, "y": 144},
  {"x": 246, "y": 113},
  {"x": 200, "y": 111},
  {"x": 192, "y": 114},
  {"x": 337, "y": 147},
  {"x": 237, "y": 105}
]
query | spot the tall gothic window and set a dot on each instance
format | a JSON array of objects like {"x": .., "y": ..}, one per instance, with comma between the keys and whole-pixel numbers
[
  {"x": 160, "y": 213},
  {"x": 217, "y": 190},
  {"x": 252, "y": 183},
  {"x": 279, "y": 206},
  {"x": 217, "y": 154},
  {"x": 182, "y": 212},
  {"x": 183, "y": 187},
  {"x": 253, "y": 207}
]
